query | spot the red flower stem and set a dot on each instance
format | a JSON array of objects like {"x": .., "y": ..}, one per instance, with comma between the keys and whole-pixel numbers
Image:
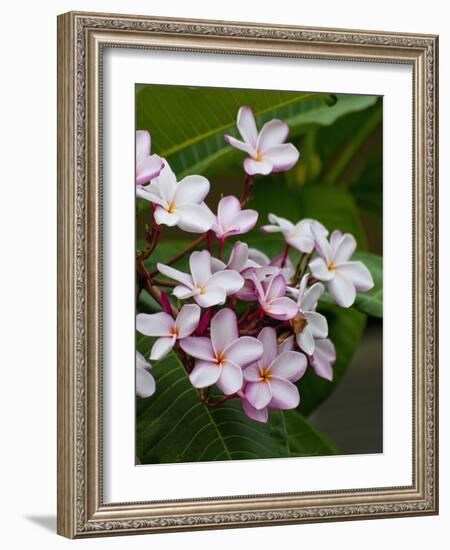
[
  {"x": 221, "y": 245},
  {"x": 248, "y": 188},
  {"x": 285, "y": 254},
  {"x": 212, "y": 404},
  {"x": 180, "y": 255},
  {"x": 244, "y": 317},
  {"x": 159, "y": 282}
]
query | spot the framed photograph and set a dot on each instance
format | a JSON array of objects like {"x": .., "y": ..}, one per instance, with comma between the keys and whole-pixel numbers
[{"x": 247, "y": 285}]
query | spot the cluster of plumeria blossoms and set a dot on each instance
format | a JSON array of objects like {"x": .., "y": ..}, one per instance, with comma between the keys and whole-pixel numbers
[{"x": 247, "y": 324}]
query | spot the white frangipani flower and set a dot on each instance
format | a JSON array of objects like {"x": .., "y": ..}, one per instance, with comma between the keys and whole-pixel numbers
[
  {"x": 300, "y": 235},
  {"x": 167, "y": 329},
  {"x": 207, "y": 288},
  {"x": 343, "y": 277},
  {"x": 179, "y": 203}
]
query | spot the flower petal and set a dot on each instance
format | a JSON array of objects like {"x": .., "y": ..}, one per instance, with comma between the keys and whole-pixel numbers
[
  {"x": 199, "y": 347},
  {"x": 311, "y": 296},
  {"x": 191, "y": 190},
  {"x": 282, "y": 157},
  {"x": 285, "y": 224},
  {"x": 286, "y": 345},
  {"x": 319, "y": 269},
  {"x": 303, "y": 243},
  {"x": 253, "y": 167},
  {"x": 204, "y": 374},
  {"x": 257, "y": 256},
  {"x": 228, "y": 280},
  {"x": 239, "y": 145},
  {"x": 290, "y": 365},
  {"x": 258, "y": 394},
  {"x": 244, "y": 350},
  {"x": 284, "y": 394},
  {"x": 183, "y": 292},
  {"x": 148, "y": 169},
  {"x": 176, "y": 275},
  {"x": 227, "y": 211},
  {"x": 247, "y": 126},
  {"x": 211, "y": 297},
  {"x": 358, "y": 274},
  {"x": 163, "y": 217},
  {"x": 200, "y": 267},
  {"x": 145, "y": 383},
  {"x": 305, "y": 340},
  {"x": 161, "y": 347},
  {"x": 268, "y": 338},
  {"x": 276, "y": 287},
  {"x": 166, "y": 183},
  {"x": 148, "y": 193},
  {"x": 154, "y": 324},
  {"x": 323, "y": 358},
  {"x": 272, "y": 133},
  {"x": 143, "y": 144},
  {"x": 344, "y": 249},
  {"x": 282, "y": 309},
  {"x": 342, "y": 290},
  {"x": 261, "y": 415},
  {"x": 317, "y": 323},
  {"x": 194, "y": 218},
  {"x": 238, "y": 257},
  {"x": 231, "y": 379},
  {"x": 322, "y": 245},
  {"x": 141, "y": 362},
  {"x": 244, "y": 222},
  {"x": 187, "y": 320},
  {"x": 224, "y": 329},
  {"x": 217, "y": 265},
  {"x": 251, "y": 373}
]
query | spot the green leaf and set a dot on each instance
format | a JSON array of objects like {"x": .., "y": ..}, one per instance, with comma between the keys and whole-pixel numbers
[
  {"x": 304, "y": 439},
  {"x": 173, "y": 425},
  {"x": 187, "y": 124},
  {"x": 346, "y": 327}
]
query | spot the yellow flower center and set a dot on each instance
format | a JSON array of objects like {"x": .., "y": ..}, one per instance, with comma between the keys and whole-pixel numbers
[
  {"x": 201, "y": 288},
  {"x": 331, "y": 266},
  {"x": 265, "y": 375},
  {"x": 171, "y": 208},
  {"x": 220, "y": 358}
]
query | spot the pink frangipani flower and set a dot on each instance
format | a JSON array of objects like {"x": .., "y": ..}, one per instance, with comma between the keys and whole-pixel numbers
[
  {"x": 147, "y": 166},
  {"x": 231, "y": 219},
  {"x": 271, "y": 297},
  {"x": 220, "y": 359},
  {"x": 179, "y": 203},
  {"x": 343, "y": 277},
  {"x": 266, "y": 151},
  {"x": 314, "y": 325},
  {"x": 207, "y": 288},
  {"x": 300, "y": 235},
  {"x": 270, "y": 381},
  {"x": 167, "y": 329},
  {"x": 323, "y": 358},
  {"x": 145, "y": 383}
]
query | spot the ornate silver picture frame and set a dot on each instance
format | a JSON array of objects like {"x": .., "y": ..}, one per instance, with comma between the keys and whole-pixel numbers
[{"x": 82, "y": 38}]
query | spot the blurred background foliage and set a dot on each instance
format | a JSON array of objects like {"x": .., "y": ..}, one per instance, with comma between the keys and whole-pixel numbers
[{"x": 338, "y": 180}]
